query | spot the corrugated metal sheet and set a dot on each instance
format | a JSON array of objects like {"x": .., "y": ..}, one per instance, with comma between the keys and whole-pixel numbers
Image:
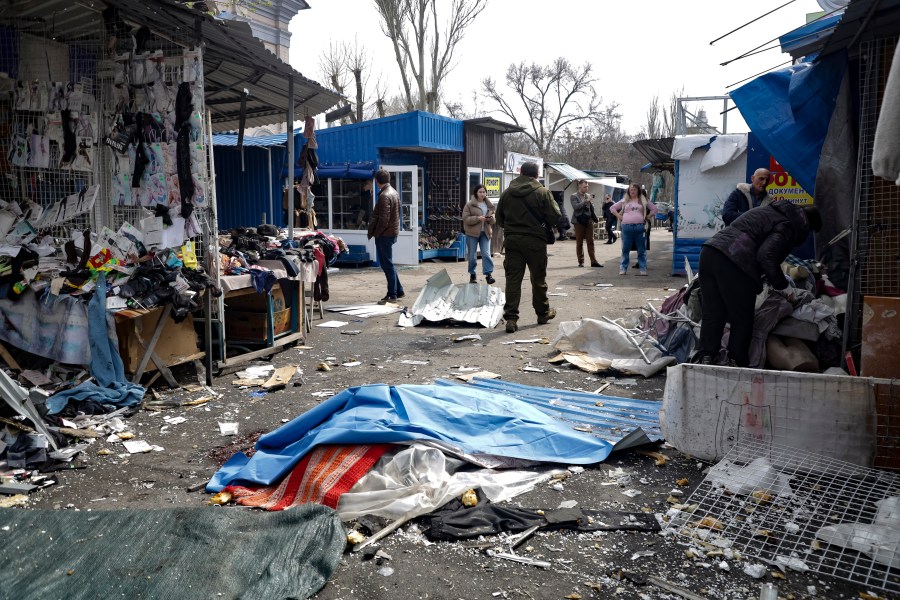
[
  {"x": 263, "y": 141},
  {"x": 567, "y": 171},
  {"x": 623, "y": 422},
  {"x": 415, "y": 130},
  {"x": 484, "y": 148},
  {"x": 242, "y": 196},
  {"x": 441, "y": 300}
]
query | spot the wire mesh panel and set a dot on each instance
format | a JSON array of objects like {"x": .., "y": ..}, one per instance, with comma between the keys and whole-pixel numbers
[
  {"x": 876, "y": 241},
  {"x": 799, "y": 511},
  {"x": 48, "y": 131}
]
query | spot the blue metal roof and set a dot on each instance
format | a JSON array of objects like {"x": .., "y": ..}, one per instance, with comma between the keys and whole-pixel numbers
[
  {"x": 279, "y": 139},
  {"x": 417, "y": 131},
  {"x": 807, "y": 37}
]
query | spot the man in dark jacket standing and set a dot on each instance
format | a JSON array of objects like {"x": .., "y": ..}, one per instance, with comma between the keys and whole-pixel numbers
[
  {"x": 747, "y": 196},
  {"x": 384, "y": 226},
  {"x": 610, "y": 220},
  {"x": 732, "y": 265},
  {"x": 523, "y": 207}
]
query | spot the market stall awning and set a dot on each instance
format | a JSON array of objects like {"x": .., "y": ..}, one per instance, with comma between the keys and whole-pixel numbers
[
  {"x": 809, "y": 38},
  {"x": 233, "y": 58},
  {"x": 658, "y": 152},
  {"x": 567, "y": 171}
]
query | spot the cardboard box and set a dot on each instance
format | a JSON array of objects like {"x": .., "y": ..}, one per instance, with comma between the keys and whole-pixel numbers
[
  {"x": 880, "y": 337},
  {"x": 251, "y": 325},
  {"x": 176, "y": 341},
  {"x": 254, "y": 302}
]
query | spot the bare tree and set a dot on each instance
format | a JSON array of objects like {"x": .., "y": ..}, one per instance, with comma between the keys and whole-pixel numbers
[
  {"x": 553, "y": 98},
  {"x": 669, "y": 126},
  {"x": 347, "y": 69},
  {"x": 653, "y": 127},
  {"x": 423, "y": 49},
  {"x": 360, "y": 66}
]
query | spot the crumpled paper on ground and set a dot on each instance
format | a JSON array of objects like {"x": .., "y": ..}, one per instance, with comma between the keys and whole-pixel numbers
[{"x": 595, "y": 346}]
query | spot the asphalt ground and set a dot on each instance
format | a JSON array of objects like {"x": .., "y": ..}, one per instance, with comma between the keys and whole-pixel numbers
[{"x": 583, "y": 565}]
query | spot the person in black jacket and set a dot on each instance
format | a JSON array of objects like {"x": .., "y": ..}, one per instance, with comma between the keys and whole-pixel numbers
[
  {"x": 610, "y": 219},
  {"x": 732, "y": 265},
  {"x": 747, "y": 196}
]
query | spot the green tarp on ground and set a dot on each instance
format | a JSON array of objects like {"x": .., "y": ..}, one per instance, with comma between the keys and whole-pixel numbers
[{"x": 179, "y": 553}]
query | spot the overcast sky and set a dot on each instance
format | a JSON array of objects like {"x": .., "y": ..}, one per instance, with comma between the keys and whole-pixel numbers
[{"x": 638, "y": 48}]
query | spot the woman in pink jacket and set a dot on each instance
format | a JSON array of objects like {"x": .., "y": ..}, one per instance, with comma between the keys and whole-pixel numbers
[{"x": 632, "y": 211}]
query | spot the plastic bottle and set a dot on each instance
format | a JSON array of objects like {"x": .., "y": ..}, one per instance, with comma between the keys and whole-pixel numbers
[{"x": 769, "y": 591}]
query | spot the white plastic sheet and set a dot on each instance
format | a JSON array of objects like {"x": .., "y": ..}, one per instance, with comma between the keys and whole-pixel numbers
[
  {"x": 594, "y": 346},
  {"x": 417, "y": 480},
  {"x": 879, "y": 539}
]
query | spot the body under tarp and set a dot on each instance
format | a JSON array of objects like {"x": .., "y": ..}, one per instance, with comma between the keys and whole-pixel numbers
[{"x": 471, "y": 421}]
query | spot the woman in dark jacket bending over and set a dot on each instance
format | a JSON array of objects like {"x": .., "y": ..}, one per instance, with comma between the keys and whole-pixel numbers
[{"x": 732, "y": 265}]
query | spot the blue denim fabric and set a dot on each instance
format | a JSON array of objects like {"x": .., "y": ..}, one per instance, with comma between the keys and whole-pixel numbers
[
  {"x": 633, "y": 234},
  {"x": 384, "y": 247},
  {"x": 472, "y": 245}
]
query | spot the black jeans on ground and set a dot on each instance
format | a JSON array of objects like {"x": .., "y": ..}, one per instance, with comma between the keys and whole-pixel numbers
[{"x": 727, "y": 295}]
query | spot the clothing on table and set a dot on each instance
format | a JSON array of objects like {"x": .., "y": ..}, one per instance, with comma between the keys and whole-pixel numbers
[{"x": 633, "y": 235}]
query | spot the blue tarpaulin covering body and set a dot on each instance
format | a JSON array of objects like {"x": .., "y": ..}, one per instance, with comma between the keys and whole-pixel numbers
[
  {"x": 790, "y": 110},
  {"x": 474, "y": 421}
]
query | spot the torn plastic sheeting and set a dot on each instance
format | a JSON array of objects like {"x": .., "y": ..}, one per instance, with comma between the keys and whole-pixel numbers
[
  {"x": 472, "y": 420},
  {"x": 611, "y": 418},
  {"x": 743, "y": 480},
  {"x": 684, "y": 145},
  {"x": 417, "y": 480},
  {"x": 880, "y": 539},
  {"x": 593, "y": 345},
  {"x": 441, "y": 300}
]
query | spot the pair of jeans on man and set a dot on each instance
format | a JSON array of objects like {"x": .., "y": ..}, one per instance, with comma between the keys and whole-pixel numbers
[
  {"x": 483, "y": 243},
  {"x": 384, "y": 247}
]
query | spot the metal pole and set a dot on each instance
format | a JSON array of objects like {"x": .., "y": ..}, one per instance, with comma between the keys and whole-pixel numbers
[
  {"x": 289, "y": 181},
  {"x": 271, "y": 193}
]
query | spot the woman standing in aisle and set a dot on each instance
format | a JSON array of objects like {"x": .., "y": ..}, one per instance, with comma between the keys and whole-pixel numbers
[
  {"x": 477, "y": 217},
  {"x": 632, "y": 212}
]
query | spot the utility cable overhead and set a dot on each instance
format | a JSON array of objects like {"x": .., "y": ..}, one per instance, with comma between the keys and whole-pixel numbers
[
  {"x": 751, "y": 21},
  {"x": 758, "y": 74}
]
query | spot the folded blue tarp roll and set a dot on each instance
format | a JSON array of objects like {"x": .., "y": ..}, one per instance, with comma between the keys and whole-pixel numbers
[{"x": 475, "y": 421}]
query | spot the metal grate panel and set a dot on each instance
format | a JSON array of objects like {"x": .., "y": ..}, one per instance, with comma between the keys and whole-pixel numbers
[
  {"x": 768, "y": 502},
  {"x": 875, "y": 270}
]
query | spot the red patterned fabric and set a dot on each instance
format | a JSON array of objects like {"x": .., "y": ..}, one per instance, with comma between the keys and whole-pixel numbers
[{"x": 321, "y": 477}]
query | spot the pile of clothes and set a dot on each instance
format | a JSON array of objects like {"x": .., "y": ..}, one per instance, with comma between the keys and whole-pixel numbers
[{"x": 803, "y": 334}]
